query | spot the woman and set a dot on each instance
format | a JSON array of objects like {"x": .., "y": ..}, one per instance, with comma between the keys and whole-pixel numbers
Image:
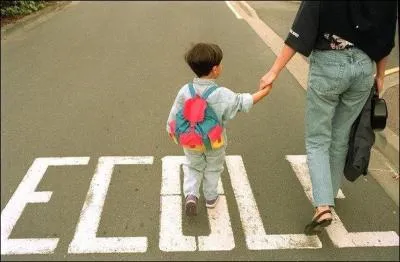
[{"x": 344, "y": 39}]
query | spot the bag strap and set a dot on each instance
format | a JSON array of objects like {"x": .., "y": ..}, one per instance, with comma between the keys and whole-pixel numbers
[
  {"x": 208, "y": 92},
  {"x": 191, "y": 89}
]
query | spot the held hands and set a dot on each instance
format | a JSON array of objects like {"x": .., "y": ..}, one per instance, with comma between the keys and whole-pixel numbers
[
  {"x": 267, "y": 80},
  {"x": 260, "y": 94}
]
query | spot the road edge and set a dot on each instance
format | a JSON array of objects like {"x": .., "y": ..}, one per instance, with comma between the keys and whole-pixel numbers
[{"x": 6, "y": 30}]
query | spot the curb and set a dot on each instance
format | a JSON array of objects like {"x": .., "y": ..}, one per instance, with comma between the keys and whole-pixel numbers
[
  {"x": 382, "y": 171},
  {"x": 6, "y": 30},
  {"x": 387, "y": 141}
]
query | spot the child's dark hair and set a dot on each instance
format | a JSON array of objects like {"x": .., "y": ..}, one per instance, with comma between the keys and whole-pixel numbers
[{"x": 202, "y": 57}]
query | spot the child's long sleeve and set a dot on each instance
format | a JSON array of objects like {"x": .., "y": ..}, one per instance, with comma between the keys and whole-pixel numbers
[{"x": 235, "y": 102}]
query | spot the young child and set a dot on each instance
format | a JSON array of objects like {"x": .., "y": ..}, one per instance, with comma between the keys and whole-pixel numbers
[{"x": 207, "y": 165}]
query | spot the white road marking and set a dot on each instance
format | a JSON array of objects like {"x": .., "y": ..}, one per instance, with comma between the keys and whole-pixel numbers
[
  {"x": 337, "y": 232},
  {"x": 171, "y": 236},
  {"x": 221, "y": 237},
  {"x": 85, "y": 240},
  {"x": 24, "y": 194},
  {"x": 299, "y": 165},
  {"x": 297, "y": 66},
  {"x": 256, "y": 238},
  {"x": 229, "y": 4},
  {"x": 391, "y": 71}
]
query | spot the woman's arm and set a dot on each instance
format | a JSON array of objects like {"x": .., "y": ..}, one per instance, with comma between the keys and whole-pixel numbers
[
  {"x": 280, "y": 62},
  {"x": 301, "y": 39},
  {"x": 380, "y": 73}
]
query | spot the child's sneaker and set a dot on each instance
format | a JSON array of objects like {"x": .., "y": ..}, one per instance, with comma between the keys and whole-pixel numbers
[
  {"x": 212, "y": 203},
  {"x": 191, "y": 205}
]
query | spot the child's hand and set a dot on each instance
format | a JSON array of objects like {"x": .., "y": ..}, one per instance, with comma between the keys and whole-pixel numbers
[
  {"x": 261, "y": 93},
  {"x": 267, "y": 89}
]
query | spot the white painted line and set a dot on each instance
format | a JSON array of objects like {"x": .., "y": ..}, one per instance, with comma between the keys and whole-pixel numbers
[
  {"x": 170, "y": 184},
  {"x": 340, "y": 195},
  {"x": 221, "y": 237},
  {"x": 336, "y": 231},
  {"x": 171, "y": 236},
  {"x": 297, "y": 66},
  {"x": 250, "y": 9},
  {"x": 171, "y": 181},
  {"x": 299, "y": 165},
  {"x": 229, "y": 4},
  {"x": 24, "y": 194},
  {"x": 391, "y": 71},
  {"x": 256, "y": 238},
  {"x": 85, "y": 240},
  {"x": 41, "y": 197},
  {"x": 74, "y": 3}
]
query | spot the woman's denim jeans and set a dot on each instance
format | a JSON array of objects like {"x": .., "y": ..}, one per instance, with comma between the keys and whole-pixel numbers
[{"x": 339, "y": 84}]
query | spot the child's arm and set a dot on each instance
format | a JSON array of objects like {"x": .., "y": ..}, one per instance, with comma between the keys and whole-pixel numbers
[
  {"x": 178, "y": 103},
  {"x": 240, "y": 102},
  {"x": 257, "y": 96}
]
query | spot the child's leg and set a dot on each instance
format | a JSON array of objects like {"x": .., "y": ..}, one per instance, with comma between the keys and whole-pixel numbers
[
  {"x": 215, "y": 166},
  {"x": 193, "y": 170}
]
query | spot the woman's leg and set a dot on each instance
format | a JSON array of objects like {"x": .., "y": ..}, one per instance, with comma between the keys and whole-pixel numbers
[
  {"x": 319, "y": 114},
  {"x": 329, "y": 77},
  {"x": 322, "y": 99},
  {"x": 348, "y": 109}
]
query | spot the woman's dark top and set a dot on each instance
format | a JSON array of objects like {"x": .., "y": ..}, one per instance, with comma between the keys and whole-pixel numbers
[{"x": 368, "y": 25}]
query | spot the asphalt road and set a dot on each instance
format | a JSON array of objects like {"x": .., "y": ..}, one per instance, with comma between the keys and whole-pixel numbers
[{"x": 97, "y": 79}]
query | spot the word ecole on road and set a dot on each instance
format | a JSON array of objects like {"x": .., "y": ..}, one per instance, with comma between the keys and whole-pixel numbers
[{"x": 171, "y": 238}]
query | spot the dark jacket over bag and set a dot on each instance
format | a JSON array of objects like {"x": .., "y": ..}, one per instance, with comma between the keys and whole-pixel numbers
[{"x": 361, "y": 140}]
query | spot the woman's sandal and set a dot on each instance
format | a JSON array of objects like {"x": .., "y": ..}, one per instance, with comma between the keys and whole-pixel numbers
[{"x": 316, "y": 226}]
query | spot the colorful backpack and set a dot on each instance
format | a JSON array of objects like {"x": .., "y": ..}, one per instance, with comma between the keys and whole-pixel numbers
[{"x": 196, "y": 126}]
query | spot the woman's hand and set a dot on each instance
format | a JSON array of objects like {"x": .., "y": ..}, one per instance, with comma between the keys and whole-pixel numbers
[
  {"x": 267, "y": 79},
  {"x": 280, "y": 62}
]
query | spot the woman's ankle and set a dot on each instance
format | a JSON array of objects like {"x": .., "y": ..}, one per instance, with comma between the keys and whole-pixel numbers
[{"x": 319, "y": 209}]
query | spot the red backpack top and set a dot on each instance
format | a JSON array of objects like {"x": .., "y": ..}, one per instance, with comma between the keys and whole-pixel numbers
[{"x": 196, "y": 126}]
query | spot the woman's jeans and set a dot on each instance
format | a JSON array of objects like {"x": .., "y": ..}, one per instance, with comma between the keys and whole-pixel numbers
[
  {"x": 206, "y": 167},
  {"x": 339, "y": 84}
]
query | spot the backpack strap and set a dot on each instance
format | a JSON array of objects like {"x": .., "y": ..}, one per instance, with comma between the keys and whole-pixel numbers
[
  {"x": 191, "y": 89},
  {"x": 208, "y": 92}
]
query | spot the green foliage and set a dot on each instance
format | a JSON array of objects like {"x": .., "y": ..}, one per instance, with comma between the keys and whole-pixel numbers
[{"x": 20, "y": 7}]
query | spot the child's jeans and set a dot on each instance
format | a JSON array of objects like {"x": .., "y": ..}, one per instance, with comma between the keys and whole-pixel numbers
[
  {"x": 339, "y": 84},
  {"x": 209, "y": 165}
]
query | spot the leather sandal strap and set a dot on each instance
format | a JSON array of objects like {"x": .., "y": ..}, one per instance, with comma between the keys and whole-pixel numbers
[{"x": 322, "y": 213}]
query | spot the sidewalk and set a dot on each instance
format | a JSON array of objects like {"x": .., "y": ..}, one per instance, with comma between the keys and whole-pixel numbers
[
  {"x": 387, "y": 141},
  {"x": 34, "y": 18},
  {"x": 391, "y": 97}
]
